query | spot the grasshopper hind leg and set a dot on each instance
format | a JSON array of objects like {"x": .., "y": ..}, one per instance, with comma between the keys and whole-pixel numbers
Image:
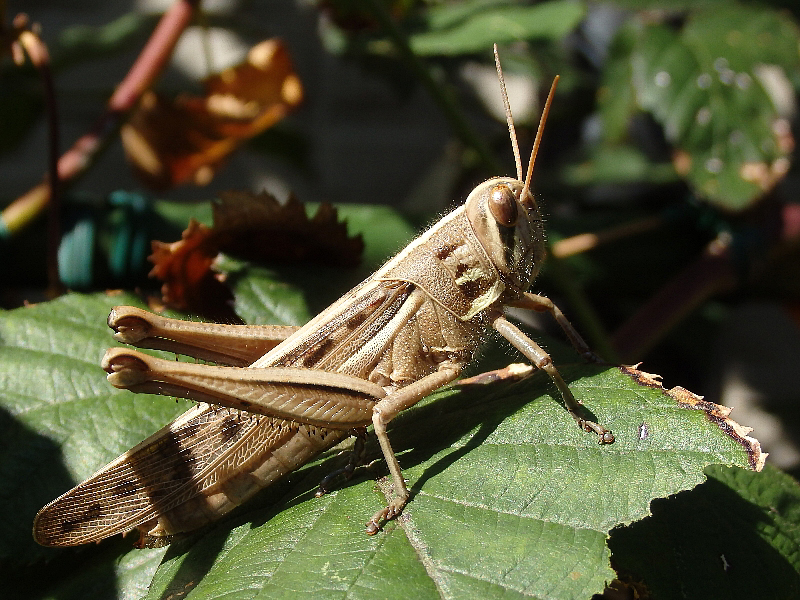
[
  {"x": 357, "y": 458},
  {"x": 386, "y": 410}
]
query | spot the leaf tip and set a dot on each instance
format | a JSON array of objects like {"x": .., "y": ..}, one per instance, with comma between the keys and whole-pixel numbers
[{"x": 717, "y": 414}]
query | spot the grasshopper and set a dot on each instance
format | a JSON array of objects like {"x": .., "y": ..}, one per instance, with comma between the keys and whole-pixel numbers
[{"x": 285, "y": 394}]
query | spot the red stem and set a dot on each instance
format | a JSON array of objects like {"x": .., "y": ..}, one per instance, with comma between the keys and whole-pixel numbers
[{"x": 75, "y": 161}]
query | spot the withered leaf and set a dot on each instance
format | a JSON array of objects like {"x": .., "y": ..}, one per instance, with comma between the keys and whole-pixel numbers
[
  {"x": 174, "y": 141},
  {"x": 259, "y": 228},
  {"x": 717, "y": 414},
  {"x": 255, "y": 227},
  {"x": 189, "y": 282}
]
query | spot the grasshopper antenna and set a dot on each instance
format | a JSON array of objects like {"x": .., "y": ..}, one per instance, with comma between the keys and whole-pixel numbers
[
  {"x": 509, "y": 119},
  {"x": 527, "y": 187}
]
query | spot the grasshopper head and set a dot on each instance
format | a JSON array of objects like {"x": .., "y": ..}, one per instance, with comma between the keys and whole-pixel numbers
[
  {"x": 509, "y": 227},
  {"x": 504, "y": 215}
]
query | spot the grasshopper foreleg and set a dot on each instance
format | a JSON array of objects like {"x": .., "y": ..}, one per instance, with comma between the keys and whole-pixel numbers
[
  {"x": 541, "y": 360},
  {"x": 386, "y": 410},
  {"x": 538, "y": 303}
]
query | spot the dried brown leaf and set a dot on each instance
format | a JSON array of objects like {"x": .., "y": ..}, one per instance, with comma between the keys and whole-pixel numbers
[
  {"x": 254, "y": 227},
  {"x": 170, "y": 142},
  {"x": 243, "y": 222},
  {"x": 185, "y": 268}
]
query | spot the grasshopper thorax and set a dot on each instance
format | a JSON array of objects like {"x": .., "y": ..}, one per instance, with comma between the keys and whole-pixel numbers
[{"x": 509, "y": 227}]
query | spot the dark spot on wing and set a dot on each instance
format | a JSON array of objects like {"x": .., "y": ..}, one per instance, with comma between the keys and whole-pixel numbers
[
  {"x": 90, "y": 514},
  {"x": 157, "y": 492},
  {"x": 230, "y": 429},
  {"x": 126, "y": 488},
  {"x": 190, "y": 429},
  {"x": 317, "y": 353},
  {"x": 68, "y": 526}
]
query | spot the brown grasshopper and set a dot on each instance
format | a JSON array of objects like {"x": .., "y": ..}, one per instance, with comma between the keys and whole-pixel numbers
[{"x": 294, "y": 392}]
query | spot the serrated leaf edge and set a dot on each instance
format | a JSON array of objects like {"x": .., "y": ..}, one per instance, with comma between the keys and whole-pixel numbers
[{"x": 716, "y": 413}]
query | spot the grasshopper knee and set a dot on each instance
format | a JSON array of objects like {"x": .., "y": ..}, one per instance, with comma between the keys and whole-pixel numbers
[
  {"x": 124, "y": 369},
  {"x": 129, "y": 324}
]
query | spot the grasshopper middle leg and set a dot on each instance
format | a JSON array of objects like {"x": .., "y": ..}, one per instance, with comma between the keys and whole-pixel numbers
[{"x": 357, "y": 458}]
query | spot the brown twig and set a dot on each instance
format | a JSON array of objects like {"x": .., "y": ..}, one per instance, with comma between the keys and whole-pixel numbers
[
  {"x": 712, "y": 273},
  {"x": 28, "y": 41},
  {"x": 75, "y": 161},
  {"x": 715, "y": 272},
  {"x": 583, "y": 242}
]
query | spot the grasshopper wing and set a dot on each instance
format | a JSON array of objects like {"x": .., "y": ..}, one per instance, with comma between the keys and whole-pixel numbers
[{"x": 200, "y": 466}]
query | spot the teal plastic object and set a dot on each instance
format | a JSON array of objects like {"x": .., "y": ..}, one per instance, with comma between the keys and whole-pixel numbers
[
  {"x": 129, "y": 234},
  {"x": 76, "y": 251},
  {"x": 105, "y": 244}
]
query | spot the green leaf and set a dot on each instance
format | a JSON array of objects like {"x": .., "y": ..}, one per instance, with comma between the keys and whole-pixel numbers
[
  {"x": 473, "y": 27},
  {"x": 616, "y": 96},
  {"x": 715, "y": 87},
  {"x": 261, "y": 297},
  {"x": 80, "y": 43},
  {"x": 509, "y": 496},
  {"x": 618, "y": 164},
  {"x": 737, "y": 531},
  {"x": 385, "y": 232},
  {"x": 669, "y": 5}
]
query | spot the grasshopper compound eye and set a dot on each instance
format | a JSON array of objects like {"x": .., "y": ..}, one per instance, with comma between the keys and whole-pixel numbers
[{"x": 503, "y": 206}]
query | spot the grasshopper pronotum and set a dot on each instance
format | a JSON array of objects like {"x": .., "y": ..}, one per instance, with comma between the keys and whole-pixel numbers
[{"x": 401, "y": 334}]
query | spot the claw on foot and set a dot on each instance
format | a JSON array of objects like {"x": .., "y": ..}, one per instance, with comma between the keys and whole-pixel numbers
[
  {"x": 325, "y": 485},
  {"x": 386, "y": 514},
  {"x": 603, "y": 434}
]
